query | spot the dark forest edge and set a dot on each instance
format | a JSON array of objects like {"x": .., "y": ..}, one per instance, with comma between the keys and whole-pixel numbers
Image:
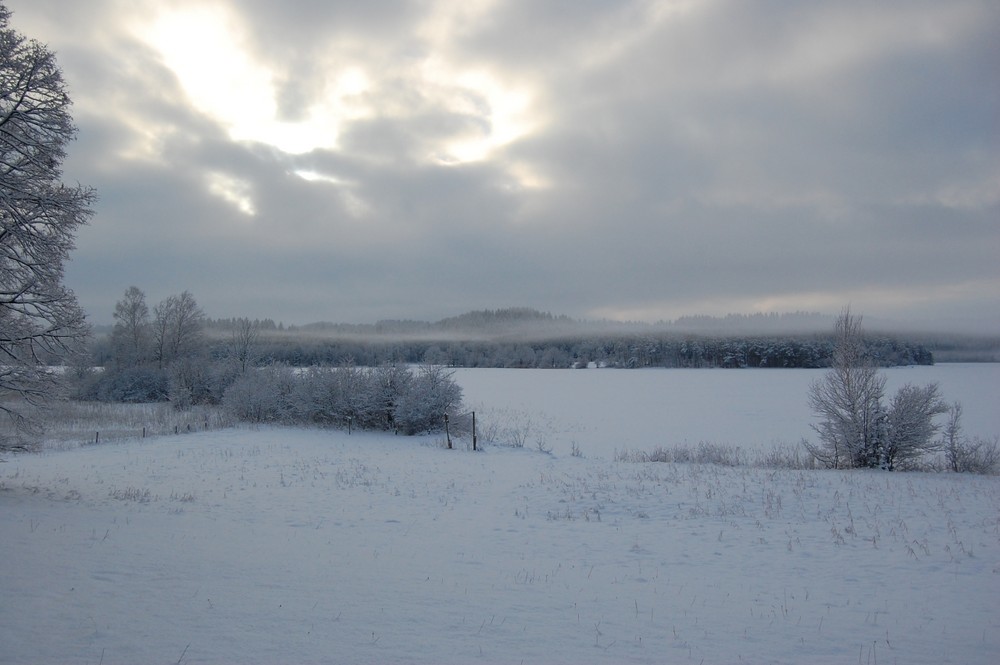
[{"x": 528, "y": 338}]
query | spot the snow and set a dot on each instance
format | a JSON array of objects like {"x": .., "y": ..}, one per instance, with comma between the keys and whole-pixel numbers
[
  {"x": 281, "y": 545},
  {"x": 609, "y": 410}
]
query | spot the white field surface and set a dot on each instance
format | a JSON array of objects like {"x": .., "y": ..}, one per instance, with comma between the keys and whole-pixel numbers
[
  {"x": 609, "y": 410},
  {"x": 312, "y": 546}
]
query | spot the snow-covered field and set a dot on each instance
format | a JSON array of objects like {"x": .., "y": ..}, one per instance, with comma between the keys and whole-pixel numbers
[
  {"x": 607, "y": 409},
  {"x": 311, "y": 546}
]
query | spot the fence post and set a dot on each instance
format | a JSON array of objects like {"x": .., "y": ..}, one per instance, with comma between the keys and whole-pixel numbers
[
  {"x": 473, "y": 430},
  {"x": 447, "y": 434},
  {"x": 144, "y": 431},
  {"x": 97, "y": 438}
]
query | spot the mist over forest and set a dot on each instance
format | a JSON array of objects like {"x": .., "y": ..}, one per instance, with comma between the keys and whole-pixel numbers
[{"x": 521, "y": 337}]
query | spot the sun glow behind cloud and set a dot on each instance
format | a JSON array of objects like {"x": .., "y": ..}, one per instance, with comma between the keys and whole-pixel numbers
[
  {"x": 202, "y": 46},
  {"x": 616, "y": 132},
  {"x": 505, "y": 112},
  {"x": 209, "y": 50}
]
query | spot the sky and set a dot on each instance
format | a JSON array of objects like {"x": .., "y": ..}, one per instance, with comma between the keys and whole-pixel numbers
[{"x": 331, "y": 160}]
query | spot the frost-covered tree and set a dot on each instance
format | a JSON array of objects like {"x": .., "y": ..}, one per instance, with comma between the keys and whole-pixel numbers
[
  {"x": 40, "y": 319},
  {"x": 388, "y": 386},
  {"x": 265, "y": 395},
  {"x": 130, "y": 338},
  {"x": 951, "y": 438},
  {"x": 910, "y": 428},
  {"x": 243, "y": 343},
  {"x": 848, "y": 401},
  {"x": 431, "y": 394},
  {"x": 855, "y": 428},
  {"x": 384, "y": 398},
  {"x": 177, "y": 328}
]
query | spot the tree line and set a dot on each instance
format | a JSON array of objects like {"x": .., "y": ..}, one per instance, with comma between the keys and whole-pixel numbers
[
  {"x": 299, "y": 348},
  {"x": 164, "y": 354}
]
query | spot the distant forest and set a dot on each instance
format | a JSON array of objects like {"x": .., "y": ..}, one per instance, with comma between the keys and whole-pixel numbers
[{"x": 527, "y": 338}]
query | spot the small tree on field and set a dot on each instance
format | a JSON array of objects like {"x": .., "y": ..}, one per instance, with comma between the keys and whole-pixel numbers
[
  {"x": 951, "y": 439},
  {"x": 40, "y": 319},
  {"x": 855, "y": 428},
  {"x": 910, "y": 427},
  {"x": 848, "y": 401}
]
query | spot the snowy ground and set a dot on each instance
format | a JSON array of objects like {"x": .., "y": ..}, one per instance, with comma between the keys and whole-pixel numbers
[
  {"x": 312, "y": 546},
  {"x": 610, "y": 410}
]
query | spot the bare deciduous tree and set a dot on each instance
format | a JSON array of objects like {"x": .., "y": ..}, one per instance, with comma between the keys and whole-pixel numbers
[
  {"x": 855, "y": 429},
  {"x": 910, "y": 426},
  {"x": 131, "y": 335},
  {"x": 177, "y": 328},
  {"x": 40, "y": 319},
  {"x": 244, "y": 342},
  {"x": 848, "y": 401}
]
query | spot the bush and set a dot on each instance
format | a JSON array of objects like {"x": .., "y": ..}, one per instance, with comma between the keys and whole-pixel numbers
[
  {"x": 977, "y": 455},
  {"x": 427, "y": 397},
  {"x": 384, "y": 398},
  {"x": 855, "y": 428},
  {"x": 262, "y": 396},
  {"x": 194, "y": 381},
  {"x": 131, "y": 385},
  {"x": 963, "y": 455}
]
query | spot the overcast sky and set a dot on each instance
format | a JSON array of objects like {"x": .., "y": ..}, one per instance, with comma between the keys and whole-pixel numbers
[{"x": 346, "y": 161}]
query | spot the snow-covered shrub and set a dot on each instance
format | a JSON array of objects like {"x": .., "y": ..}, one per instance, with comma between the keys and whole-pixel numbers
[
  {"x": 855, "y": 428},
  {"x": 190, "y": 383},
  {"x": 977, "y": 455},
  {"x": 131, "y": 385},
  {"x": 963, "y": 455},
  {"x": 385, "y": 389},
  {"x": 383, "y": 398},
  {"x": 786, "y": 457},
  {"x": 910, "y": 426},
  {"x": 319, "y": 396},
  {"x": 426, "y": 398},
  {"x": 264, "y": 395}
]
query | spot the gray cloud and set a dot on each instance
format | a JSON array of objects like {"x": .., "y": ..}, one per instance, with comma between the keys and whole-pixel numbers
[{"x": 641, "y": 159}]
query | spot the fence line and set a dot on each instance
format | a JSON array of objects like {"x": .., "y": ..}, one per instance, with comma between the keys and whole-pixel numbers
[{"x": 134, "y": 434}]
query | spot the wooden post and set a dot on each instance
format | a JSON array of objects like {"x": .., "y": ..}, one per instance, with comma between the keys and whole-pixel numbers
[
  {"x": 473, "y": 430},
  {"x": 447, "y": 434},
  {"x": 144, "y": 431},
  {"x": 97, "y": 438},
  {"x": 349, "y": 419}
]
